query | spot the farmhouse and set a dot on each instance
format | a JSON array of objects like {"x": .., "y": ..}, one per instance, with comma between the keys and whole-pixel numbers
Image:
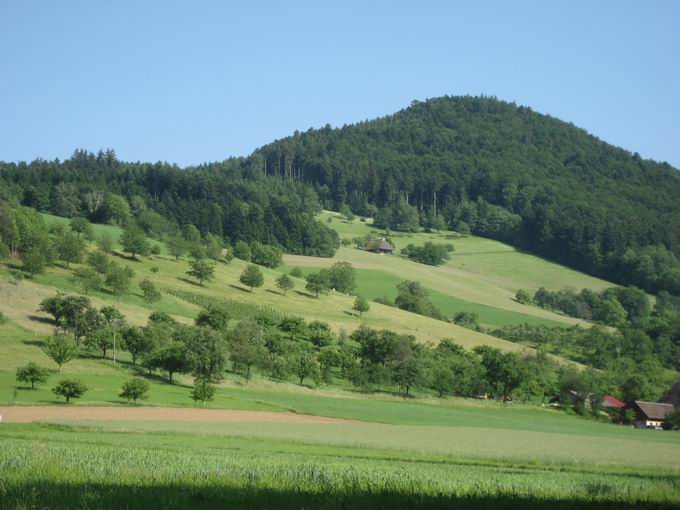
[
  {"x": 379, "y": 246},
  {"x": 650, "y": 414}
]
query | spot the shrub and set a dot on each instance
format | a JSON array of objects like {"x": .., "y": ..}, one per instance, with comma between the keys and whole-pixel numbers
[{"x": 134, "y": 389}]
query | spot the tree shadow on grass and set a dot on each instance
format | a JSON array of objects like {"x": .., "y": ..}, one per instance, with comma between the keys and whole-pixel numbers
[
  {"x": 305, "y": 294},
  {"x": 42, "y": 320},
  {"x": 275, "y": 292},
  {"x": 237, "y": 287},
  {"x": 34, "y": 343},
  {"x": 191, "y": 282}
]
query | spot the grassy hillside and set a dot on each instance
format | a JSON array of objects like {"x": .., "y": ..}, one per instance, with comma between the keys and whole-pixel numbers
[
  {"x": 482, "y": 276},
  {"x": 390, "y": 453}
]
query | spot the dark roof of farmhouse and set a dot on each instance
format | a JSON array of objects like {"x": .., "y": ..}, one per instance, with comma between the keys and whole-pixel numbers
[
  {"x": 654, "y": 410},
  {"x": 379, "y": 244}
]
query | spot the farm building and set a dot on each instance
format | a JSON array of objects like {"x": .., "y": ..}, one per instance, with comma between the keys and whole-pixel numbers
[
  {"x": 379, "y": 246},
  {"x": 612, "y": 403},
  {"x": 650, "y": 414}
]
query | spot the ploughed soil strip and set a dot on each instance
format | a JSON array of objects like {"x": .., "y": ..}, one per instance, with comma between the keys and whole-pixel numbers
[{"x": 27, "y": 414}]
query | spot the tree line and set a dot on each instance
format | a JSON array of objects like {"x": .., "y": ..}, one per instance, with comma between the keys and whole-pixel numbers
[
  {"x": 289, "y": 347},
  {"x": 222, "y": 199}
]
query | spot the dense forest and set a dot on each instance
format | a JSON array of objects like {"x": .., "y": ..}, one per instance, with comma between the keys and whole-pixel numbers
[
  {"x": 162, "y": 198},
  {"x": 470, "y": 163},
  {"x": 501, "y": 171}
]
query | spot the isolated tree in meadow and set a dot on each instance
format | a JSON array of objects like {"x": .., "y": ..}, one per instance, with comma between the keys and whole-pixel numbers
[
  {"x": 212, "y": 317},
  {"x": 32, "y": 374},
  {"x": 135, "y": 389},
  {"x": 70, "y": 388},
  {"x": 119, "y": 279},
  {"x": 176, "y": 246},
  {"x": 318, "y": 283},
  {"x": 202, "y": 270},
  {"x": 150, "y": 293},
  {"x": 203, "y": 392},
  {"x": 87, "y": 279},
  {"x": 342, "y": 277},
  {"x": 133, "y": 240},
  {"x": 106, "y": 243},
  {"x": 70, "y": 248},
  {"x": 285, "y": 283},
  {"x": 81, "y": 227},
  {"x": 61, "y": 349},
  {"x": 155, "y": 250},
  {"x": 296, "y": 272},
  {"x": 361, "y": 305},
  {"x": 99, "y": 261},
  {"x": 523, "y": 297},
  {"x": 252, "y": 277}
]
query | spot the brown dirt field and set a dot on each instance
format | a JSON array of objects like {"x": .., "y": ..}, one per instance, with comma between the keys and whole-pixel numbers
[{"x": 27, "y": 414}]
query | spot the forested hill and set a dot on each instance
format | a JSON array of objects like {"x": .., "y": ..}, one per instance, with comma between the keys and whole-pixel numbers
[
  {"x": 216, "y": 198},
  {"x": 503, "y": 171}
]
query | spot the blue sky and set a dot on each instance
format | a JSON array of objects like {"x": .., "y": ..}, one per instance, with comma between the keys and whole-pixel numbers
[{"x": 189, "y": 82}]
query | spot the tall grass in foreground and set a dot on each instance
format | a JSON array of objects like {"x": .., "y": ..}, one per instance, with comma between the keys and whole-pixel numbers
[{"x": 39, "y": 474}]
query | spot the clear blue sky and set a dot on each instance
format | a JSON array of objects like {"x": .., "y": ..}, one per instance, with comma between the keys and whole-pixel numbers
[{"x": 196, "y": 81}]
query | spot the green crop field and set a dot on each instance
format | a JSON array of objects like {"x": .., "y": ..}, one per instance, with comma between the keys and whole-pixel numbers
[{"x": 256, "y": 466}]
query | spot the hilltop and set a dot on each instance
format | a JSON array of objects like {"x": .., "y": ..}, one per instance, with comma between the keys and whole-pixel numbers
[{"x": 506, "y": 172}]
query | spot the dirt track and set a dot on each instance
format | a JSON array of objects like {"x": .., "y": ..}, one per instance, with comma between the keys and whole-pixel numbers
[{"x": 26, "y": 414}]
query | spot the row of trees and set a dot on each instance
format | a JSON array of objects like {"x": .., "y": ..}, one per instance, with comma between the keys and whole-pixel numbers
[{"x": 615, "y": 306}]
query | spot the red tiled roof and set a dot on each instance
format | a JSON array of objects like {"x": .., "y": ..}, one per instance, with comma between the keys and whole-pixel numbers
[{"x": 609, "y": 401}]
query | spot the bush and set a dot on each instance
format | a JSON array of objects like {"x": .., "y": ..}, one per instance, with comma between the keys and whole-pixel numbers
[
  {"x": 134, "y": 389},
  {"x": 430, "y": 253}
]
